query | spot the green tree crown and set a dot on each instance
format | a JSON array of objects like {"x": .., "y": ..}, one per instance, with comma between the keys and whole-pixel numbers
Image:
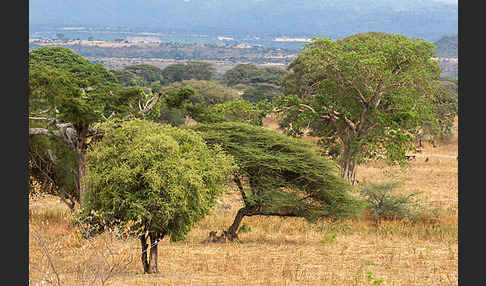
[{"x": 164, "y": 178}]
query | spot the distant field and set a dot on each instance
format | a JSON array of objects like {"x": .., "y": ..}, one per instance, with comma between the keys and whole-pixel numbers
[{"x": 276, "y": 251}]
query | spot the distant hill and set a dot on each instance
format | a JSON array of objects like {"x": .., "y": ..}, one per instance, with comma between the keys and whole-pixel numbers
[
  {"x": 428, "y": 19},
  {"x": 447, "y": 47}
]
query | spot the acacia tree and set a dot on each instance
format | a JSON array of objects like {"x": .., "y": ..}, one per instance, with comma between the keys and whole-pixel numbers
[
  {"x": 279, "y": 175},
  {"x": 140, "y": 75},
  {"x": 153, "y": 179},
  {"x": 365, "y": 95},
  {"x": 67, "y": 97},
  {"x": 190, "y": 70}
]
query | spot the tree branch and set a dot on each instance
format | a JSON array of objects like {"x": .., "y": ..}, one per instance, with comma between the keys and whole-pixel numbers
[{"x": 152, "y": 101}]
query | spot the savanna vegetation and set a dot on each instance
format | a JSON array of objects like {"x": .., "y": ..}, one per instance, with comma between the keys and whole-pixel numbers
[{"x": 321, "y": 183}]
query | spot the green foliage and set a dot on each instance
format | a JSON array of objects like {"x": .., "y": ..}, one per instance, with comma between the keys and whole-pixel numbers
[
  {"x": 384, "y": 204},
  {"x": 148, "y": 73},
  {"x": 75, "y": 90},
  {"x": 172, "y": 110},
  {"x": 175, "y": 98},
  {"x": 199, "y": 71},
  {"x": 368, "y": 93},
  {"x": 258, "y": 83},
  {"x": 205, "y": 94},
  {"x": 251, "y": 74},
  {"x": 66, "y": 89},
  {"x": 153, "y": 177},
  {"x": 208, "y": 92},
  {"x": 190, "y": 70},
  {"x": 127, "y": 78},
  {"x": 238, "y": 74},
  {"x": 51, "y": 164},
  {"x": 244, "y": 228},
  {"x": 172, "y": 116},
  {"x": 86, "y": 73},
  {"x": 370, "y": 278},
  {"x": 174, "y": 72},
  {"x": 58, "y": 77},
  {"x": 444, "y": 109},
  {"x": 140, "y": 75},
  {"x": 329, "y": 238},
  {"x": 259, "y": 92},
  {"x": 284, "y": 175},
  {"x": 235, "y": 111},
  {"x": 446, "y": 104}
]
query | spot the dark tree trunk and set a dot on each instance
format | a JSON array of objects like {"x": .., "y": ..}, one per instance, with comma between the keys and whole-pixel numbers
[
  {"x": 153, "y": 260},
  {"x": 236, "y": 223},
  {"x": 150, "y": 260},
  {"x": 143, "y": 240},
  {"x": 80, "y": 149}
]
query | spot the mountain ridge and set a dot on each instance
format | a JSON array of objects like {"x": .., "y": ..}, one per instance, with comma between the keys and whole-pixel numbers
[{"x": 425, "y": 19}]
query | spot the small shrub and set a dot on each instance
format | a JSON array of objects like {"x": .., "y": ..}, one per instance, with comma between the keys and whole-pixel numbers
[
  {"x": 384, "y": 204},
  {"x": 329, "y": 238},
  {"x": 370, "y": 278},
  {"x": 244, "y": 228}
]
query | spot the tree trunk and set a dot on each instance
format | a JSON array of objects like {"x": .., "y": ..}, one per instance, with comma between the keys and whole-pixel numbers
[
  {"x": 236, "y": 223},
  {"x": 80, "y": 149},
  {"x": 143, "y": 240},
  {"x": 150, "y": 261},
  {"x": 154, "y": 241},
  {"x": 80, "y": 177},
  {"x": 348, "y": 167}
]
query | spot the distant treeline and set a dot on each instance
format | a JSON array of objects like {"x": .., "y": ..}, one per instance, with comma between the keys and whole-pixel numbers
[
  {"x": 183, "y": 52},
  {"x": 446, "y": 48}
]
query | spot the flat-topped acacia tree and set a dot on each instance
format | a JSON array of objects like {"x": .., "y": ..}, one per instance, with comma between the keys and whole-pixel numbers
[
  {"x": 154, "y": 180},
  {"x": 280, "y": 175}
]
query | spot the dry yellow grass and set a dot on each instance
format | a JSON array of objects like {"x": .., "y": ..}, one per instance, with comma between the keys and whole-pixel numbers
[{"x": 275, "y": 251}]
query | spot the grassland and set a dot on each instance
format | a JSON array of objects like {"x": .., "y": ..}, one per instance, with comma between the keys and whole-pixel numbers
[{"x": 276, "y": 251}]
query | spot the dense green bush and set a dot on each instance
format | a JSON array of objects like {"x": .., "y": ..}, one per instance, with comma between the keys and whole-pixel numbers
[{"x": 154, "y": 179}]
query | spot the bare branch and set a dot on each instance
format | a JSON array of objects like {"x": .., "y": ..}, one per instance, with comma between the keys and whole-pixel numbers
[
  {"x": 154, "y": 100},
  {"x": 308, "y": 107},
  {"x": 40, "y": 118},
  {"x": 44, "y": 111}
]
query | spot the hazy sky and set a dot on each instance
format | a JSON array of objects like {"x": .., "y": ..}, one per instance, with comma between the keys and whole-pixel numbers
[{"x": 448, "y": 1}]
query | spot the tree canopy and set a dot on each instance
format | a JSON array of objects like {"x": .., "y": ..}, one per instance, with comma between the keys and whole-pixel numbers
[
  {"x": 158, "y": 179},
  {"x": 140, "y": 75},
  {"x": 280, "y": 175},
  {"x": 208, "y": 92},
  {"x": 205, "y": 94},
  {"x": 367, "y": 94},
  {"x": 252, "y": 74},
  {"x": 68, "y": 95},
  {"x": 235, "y": 110},
  {"x": 258, "y": 83},
  {"x": 190, "y": 70}
]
